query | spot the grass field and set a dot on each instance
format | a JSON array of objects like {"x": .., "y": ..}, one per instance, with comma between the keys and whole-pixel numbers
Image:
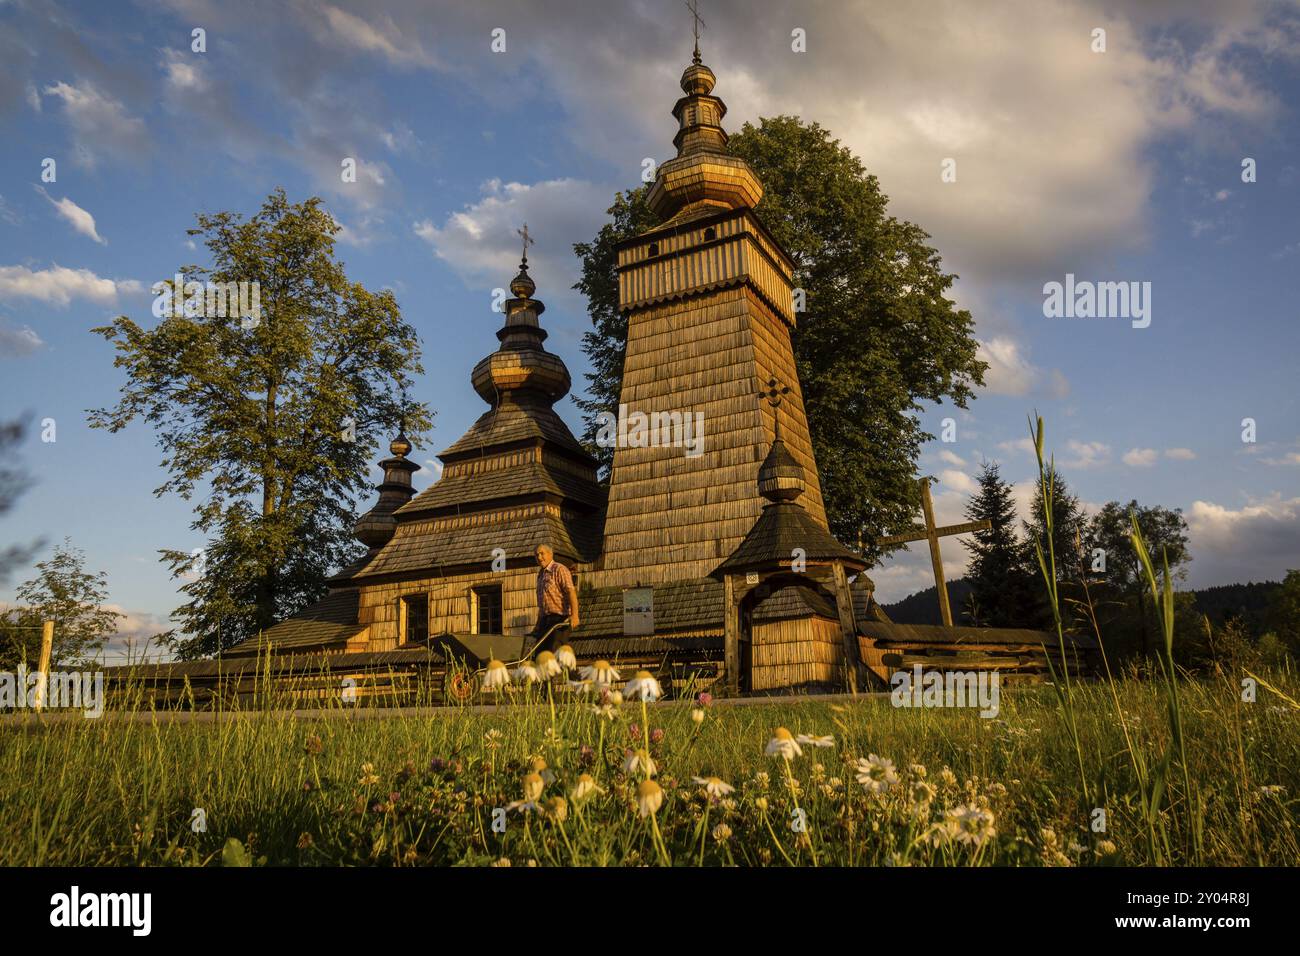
[{"x": 422, "y": 790}]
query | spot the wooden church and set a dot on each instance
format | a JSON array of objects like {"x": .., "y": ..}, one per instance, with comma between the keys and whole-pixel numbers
[{"x": 712, "y": 569}]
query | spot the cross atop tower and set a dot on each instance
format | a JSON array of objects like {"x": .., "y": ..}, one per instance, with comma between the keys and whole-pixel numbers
[
  {"x": 528, "y": 240},
  {"x": 690, "y": 5}
]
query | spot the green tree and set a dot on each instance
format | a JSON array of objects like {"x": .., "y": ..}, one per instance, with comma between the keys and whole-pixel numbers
[
  {"x": 1004, "y": 586},
  {"x": 272, "y": 420},
  {"x": 1123, "y": 581},
  {"x": 1068, "y": 527},
  {"x": 65, "y": 592},
  {"x": 1284, "y": 612},
  {"x": 13, "y": 482},
  {"x": 879, "y": 336}
]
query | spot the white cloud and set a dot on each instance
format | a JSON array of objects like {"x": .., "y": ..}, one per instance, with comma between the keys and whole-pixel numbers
[
  {"x": 946, "y": 456},
  {"x": 481, "y": 243},
  {"x": 1180, "y": 454},
  {"x": 80, "y": 220},
  {"x": 183, "y": 71},
  {"x": 1290, "y": 458},
  {"x": 1086, "y": 454},
  {"x": 17, "y": 341},
  {"x": 958, "y": 481},
  {"x": 1023, "y": 445},
  {"x": 1011, "y": 373},
  {"x": 381, "y": 37},
  {"x": 59, "y": 285},
  {"x": 1140, "y": 457},
  {"x": 100, "y": 124},
  {"x": 1259, "y": 541}
]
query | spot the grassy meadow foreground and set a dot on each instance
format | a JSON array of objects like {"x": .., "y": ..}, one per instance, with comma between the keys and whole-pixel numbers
[{"x": 873, "y": 784}]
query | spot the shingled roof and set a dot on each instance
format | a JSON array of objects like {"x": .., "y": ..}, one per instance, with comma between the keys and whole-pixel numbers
[
  {"x": 329, "y": 623},
  {"x": 782, "y": 527}
]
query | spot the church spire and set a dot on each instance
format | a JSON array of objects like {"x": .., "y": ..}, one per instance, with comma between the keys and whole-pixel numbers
[
  {"x": 521, "y": 364},
  {"x": 704, "y": 177},
  {"x": 375, "y": 528}
]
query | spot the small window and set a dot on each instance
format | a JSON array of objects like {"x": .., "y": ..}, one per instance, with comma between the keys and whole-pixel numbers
[
  {"x": 654, "y": 248},
  {"x": 710, "y": 234},
  {"x": 486, "y": 610},
  {"x": 415, "y": 618}
]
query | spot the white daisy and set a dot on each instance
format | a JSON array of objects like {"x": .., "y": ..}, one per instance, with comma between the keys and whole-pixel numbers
[
  {"x": 714, "y": 786},
  {"x": 876, "y": 774},
  {"x": 812, "y": 740},
  {"x": 643, "y": 685},
  {"x": 526, "y": 673},
  {"x": 601, "y": 672},
  {"x": 968, "y": 823},
  {"x": 496, "y": 677},
  {"x": 649, "y": 797},
  {"x": 566, "y": 658},
  {"x": 697, "y": 715},
  {"x": 547, "y": 665},
  {"x": 783, "y": 745},
  {"x": 585, "y": 787},
  {"x": 639, "y": 760}
]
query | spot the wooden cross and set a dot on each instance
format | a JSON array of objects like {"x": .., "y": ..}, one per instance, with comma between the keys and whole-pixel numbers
[
  {"x": 690, "y": 5},
  {"x": 933, "y": 534},
  {"x": 528, "y": 240}
]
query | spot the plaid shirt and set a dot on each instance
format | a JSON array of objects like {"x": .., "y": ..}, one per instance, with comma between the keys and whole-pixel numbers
[{"x": 553, "y": 584}]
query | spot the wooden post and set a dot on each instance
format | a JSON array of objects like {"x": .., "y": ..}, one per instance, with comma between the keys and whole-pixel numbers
[
  {"x": 848, "y": 626},
  {"x": 731, "y": 636},
  {"x": 945, "y": 610},
  {"x": 47, "y": 648}
]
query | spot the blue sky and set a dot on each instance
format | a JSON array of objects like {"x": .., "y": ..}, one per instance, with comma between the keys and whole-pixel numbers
[{"x": 1122, "y": 165}]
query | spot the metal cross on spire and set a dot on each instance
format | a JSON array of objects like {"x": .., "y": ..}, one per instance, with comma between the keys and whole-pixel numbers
[
  {"x": 774, "y": 392},
  {"x": 690, "y": 5},
  {"x": 528, "y": 240}
]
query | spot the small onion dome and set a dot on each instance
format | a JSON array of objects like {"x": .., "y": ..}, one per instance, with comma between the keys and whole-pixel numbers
[
  {"x": 780, "y": 477},
  {"x": 698, "y": 80},
  {"x": 523, "y": 285},
  {"x": 400, "y": 446}
]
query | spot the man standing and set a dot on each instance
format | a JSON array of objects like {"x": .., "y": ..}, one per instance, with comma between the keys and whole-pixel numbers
[{"x": 557, "y": 598}]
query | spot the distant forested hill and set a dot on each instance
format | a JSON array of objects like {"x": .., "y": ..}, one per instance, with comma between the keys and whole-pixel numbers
[{"x": 1248, "y": 602}]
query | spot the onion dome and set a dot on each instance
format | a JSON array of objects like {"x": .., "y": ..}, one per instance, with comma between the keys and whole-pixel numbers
[
  {"x": 704, "y": 176},
  {"x": 375, "y": 528},
  {"x": 780, "y": 477},
  {"x": 521, "y": 363}
]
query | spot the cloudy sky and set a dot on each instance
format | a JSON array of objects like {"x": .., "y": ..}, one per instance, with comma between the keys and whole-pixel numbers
[{"x": 1117, "y": 165}]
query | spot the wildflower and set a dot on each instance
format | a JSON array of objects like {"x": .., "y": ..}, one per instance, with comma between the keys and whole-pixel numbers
[
  {"x": 1106, "y": 848},
  {"x": 533, "y": 785},
  {"x": 539, "y": 767},
  {"x": 368, "y": 775},
  {"x": 762, "y": 779},
  {"x": 565, "y": 657},
  {"x": 605, "y": 710},
  {"x": 492, "y": 738},
  {"x": 585, "y": 787},
  {"x": 917, "y": 770},
  {"x": 601, "y": 673},
  {"x": 948, "y": 777},
  {"x": 313, "y": 745},
  {"x": 639, "y": 760},
  {"x": 761, "y": 803},
  {"x": 970, "y": 824},
  {"x": 497, "y": 676},
  {"x": 649, "y": 797},
  {"x": 722, "y": 833},
  {"x": 922, "y": 792},
  {"x": 657, "y": 735},
  {"x": 812, "y": 740},
  {"x": 705, "y": 698},
  {"x": 527, "y": 673},
  {"x": 643, "y": 686},
  {"x": 504, "y": 861},
  {"x": 876, "y": 774},
  {"x": 697, "y": 715},
  {"x": 547, "y": 665},
  {"x": 305, "y": 842},
  {"x": 783, "y": 745},
  {"x": 714, "y": 786},
  {"x": 557, "y": 808},
  {"x": 579, "y": 686}
]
